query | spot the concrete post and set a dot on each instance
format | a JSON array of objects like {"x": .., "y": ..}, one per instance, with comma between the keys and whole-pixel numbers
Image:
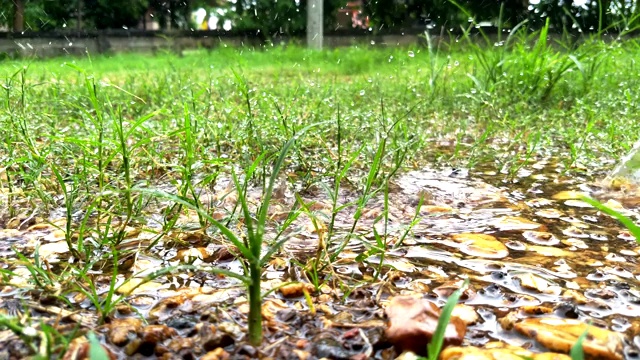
[{"x": 314, "y": 24}]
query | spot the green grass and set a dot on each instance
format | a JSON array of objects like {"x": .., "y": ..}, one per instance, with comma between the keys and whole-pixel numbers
[{"x": 99, "y": 136}]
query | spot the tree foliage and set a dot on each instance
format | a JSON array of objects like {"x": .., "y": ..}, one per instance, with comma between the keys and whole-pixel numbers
[{"x": 271, "y": 17}]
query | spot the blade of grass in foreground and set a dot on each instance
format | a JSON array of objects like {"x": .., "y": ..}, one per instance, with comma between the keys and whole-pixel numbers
[
  {"x": 628, "y": 223},
  {"x": 96, "y": 351},
  {"x": 577, "y": 351},
  {"x": 434, "y": 347}
]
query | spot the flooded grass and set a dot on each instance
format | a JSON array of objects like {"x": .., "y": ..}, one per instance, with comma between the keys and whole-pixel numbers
[{"x": 178, "y": 207}]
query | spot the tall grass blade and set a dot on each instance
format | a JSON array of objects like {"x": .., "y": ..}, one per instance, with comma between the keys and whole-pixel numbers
[
  {"x": 96, "y": 351},
  {"x": 577, "y": 350},
  {"x": 627, "y": 222},
  {"x": 435, "y": 346}
]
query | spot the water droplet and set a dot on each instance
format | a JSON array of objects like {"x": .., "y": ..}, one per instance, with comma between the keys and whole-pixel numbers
[
  {"x": 373, "y": 42},
  {"x": 361, "y": 92},
  {"x": 411, "y": 54}
]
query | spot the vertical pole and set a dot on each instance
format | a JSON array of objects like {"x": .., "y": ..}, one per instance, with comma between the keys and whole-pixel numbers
[
  {"x": 314, "y": 24},
  {"x": 18, "y": 15},
  {"x": 79, "y": 19}
]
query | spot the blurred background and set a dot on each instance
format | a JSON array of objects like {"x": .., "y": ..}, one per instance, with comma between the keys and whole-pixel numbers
[{"x": 268, "y": 18}]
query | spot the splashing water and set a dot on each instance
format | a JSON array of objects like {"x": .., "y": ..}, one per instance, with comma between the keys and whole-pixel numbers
[{"x": 627, "y": 170}]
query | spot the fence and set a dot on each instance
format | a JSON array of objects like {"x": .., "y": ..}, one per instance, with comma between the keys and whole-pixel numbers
[{"x": 40, "y": 44}]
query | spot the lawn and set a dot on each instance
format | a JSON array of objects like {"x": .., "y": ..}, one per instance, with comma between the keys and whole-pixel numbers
[{"x": 234, "y": 188}]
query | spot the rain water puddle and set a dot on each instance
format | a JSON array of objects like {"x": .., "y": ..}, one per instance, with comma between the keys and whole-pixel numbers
[{"x": 530, "y": 248}]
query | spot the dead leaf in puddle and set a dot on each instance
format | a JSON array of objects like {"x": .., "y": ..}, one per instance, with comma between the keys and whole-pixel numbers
[
  {"x": 615, "y": 205},
  {"x": 21, "y": 276},
  {"x": 48, "y": 250},
  {"x": 537, "y": 283},
  {"x": 467, "y": 314},
  {"x": 507, "y": 223},
  {"x": 121, "y": 331},
  {"x": 445, "y": 290},
  {"x": 577, "y": 243},
  {"x": 481, "y": 245},
  {"x": 497, "y": 351},
  {"x": 412, "y": 323},
  {"x": 436, "y": 209},
  {"x": 550, "y": 251},
  {"x": 541, "y": 238},
  {"x": 191, "y": 254},
  {"x": 80, "y": 348},
  {"x": 561, "y": 334},
  {"x": 575, "y": 231},
  {"x": 549, "y": 213},
  {"x": 137, "y": 285},
  {"x": 296, "y": 289},
  {"x": 568, "y": 195},
  {"x": 536, "y": 309},
  {"x": 270, "y": 309},
  {"x": 221, "y": 354},
  {"x": 509, "y": 320},
  {"x": 9, "y": 233},
  {"x": 401, "y": 265}
]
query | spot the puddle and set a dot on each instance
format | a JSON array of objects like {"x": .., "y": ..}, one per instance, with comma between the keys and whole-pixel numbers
[{"x": 521, "y": 248}]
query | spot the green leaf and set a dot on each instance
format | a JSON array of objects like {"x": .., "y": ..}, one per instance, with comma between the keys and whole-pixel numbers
[
  {"x": 96, "y": 351},
  {"x": 628, "y": 223},
  {"x": 577, "y": 351},
  {"x": 434, "y": 347}
]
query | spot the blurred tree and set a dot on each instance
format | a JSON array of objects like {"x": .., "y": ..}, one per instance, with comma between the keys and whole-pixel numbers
[
  {"x": 590, "y": 16},
  {"x": 276, "y": 17},
  {"x": 418, "y": 14},
  {"x": 176, "y": 14},
  {"x": 114, "y": 14},
  {"x": 61, "y": 14},
  {"x": 289, "y": 16}
]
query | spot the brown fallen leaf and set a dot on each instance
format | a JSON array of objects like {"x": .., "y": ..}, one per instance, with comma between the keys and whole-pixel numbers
[
  {"x": 568, "y": 195},
  {"x": 534, "y": 282},
  {"x": 481, "y": 245},
  {"x": 507, "y": 223},
  {"x": 561, "y": 334},
  {"x": 295, "y": 289},
  {"x": 412, "y": 322},
  {"x": 79, "y": 350},
  {"x": 497, "y": 351}
]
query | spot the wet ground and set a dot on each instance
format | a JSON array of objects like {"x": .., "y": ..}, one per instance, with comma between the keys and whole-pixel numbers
[{"x": 532, "y": 251}]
